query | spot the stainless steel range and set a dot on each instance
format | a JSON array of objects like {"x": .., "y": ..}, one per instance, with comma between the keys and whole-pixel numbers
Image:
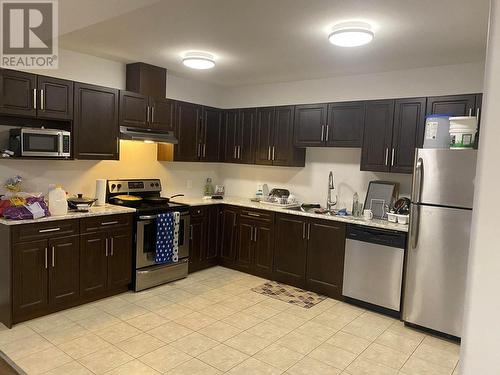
[{"x": 145, "y": 196}]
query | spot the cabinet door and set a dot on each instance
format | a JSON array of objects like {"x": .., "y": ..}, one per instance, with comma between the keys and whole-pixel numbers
[
  {"x": 325, "y": 257},
  {"x": 264, "y": 133},
  {"x": 96, "y": 122},
  {"x": 377, "y": 136},
  {"x": 214, "y": 215},
  {"x": 228, "y": 237},
  {"x": 345, "y": 124},
  {"x": 211, "y": 135},
  {"x": 246, "y": 151},
  {"x": 17, "y": 93},
  {"x": 188, "y": 124},
  {"x": 64, "y": 263},
  {"x": 162, "y": 113},
  {"x": 284, "y": 153},
  {"x": 119, "y": 258},
  {"x": 290, "y": 250},
  {"x": 232, "y": 130},
  {"x": 408, "y": 131},
  {"x": 134, "y": 111},
  {"x": 30, "y": 292},
  {"x": 310, "y": 125},
  {"x": 56, "y": 98},
  {"x": 197, "y": 243},
  {"x": 93, "y": 264},
  {"x": 245, "y": 245},
  {"x": 453, "y": 105},
  {"x": 263, "y": 250}
]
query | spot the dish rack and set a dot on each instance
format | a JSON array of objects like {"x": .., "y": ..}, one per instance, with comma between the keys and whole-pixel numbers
[{"x": 275, "y": 202}]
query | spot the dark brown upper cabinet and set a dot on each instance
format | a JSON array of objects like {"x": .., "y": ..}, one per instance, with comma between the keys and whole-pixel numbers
[
  {"x": 188, "y": 130},
  {"x": 96, "y": 122},
  {"x": 134, "y": 110},
  {"x": 55, "y": 98},
  {"x": 407, "y": 135},
  {"x": 453, "y": 105},
  {"x": 210, "y": 135},
  {"x": 162, "y": 113},
  {"x": 377, "y": 137},
  {"x": 28, "y": 95},
  {"x": 274, "y": 138},
  {"x": 146, "y": 79},
  {"x": 393, "y": 129},
  {"x": 345, "y": 124},
  {"x": 310, "y": 125},
  {"x": 232, "y": 130}
]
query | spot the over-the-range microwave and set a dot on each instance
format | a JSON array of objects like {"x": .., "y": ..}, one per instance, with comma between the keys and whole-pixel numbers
[{"x": 40, "y": 142}]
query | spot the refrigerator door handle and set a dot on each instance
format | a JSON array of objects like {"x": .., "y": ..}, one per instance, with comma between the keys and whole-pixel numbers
[
  {"x": 417, "y": 183},
  {"x": 415, "y": 223}
]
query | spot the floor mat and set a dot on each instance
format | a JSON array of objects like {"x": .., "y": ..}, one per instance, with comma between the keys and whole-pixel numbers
[
  {"x": 290, "y": 294},
  {"x": 8, "y": 367}
]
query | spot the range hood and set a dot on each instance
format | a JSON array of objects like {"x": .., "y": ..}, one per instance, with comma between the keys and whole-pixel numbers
[{"x": 147, "y": 135}]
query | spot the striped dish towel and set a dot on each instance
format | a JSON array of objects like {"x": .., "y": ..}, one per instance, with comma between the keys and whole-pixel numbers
[{"x": 167, "y": 238}]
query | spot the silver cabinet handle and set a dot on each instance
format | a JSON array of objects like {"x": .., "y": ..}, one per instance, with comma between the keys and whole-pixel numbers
[
  {"x": 34, "y": 98},
  {"x": 46, "y": 259},
  {"x": 191, "y": 232},
  {"x": 273, "y": 153},
  {"x": 470, "y": 111},
  {"x": 239, "y": 152},
  {"x": 392, "y": 157},
  {"x": 477, "y": 113},
  {"x": 322, "y": 132},
  {"x": 204, "y": 149},
  {"x": 109, "y": 222},
  {"x": 386, "y": 156},
  {"x": 106, "y": 246},
  {"x": 304, "y": 230},
  {"x": 49, "y": 230},
  {"x": 235, "y": 151},
  {"x": 42, "y": 104},
  {"x": 112, "y": 247},
  {"x": 327, "y": 131},
  {"x": 256, "y": 230},
  {"x": 53, "y": 256},
  {"x": 308, "y": 231},
  {"x": 269, "y": 153},
  {"x": 147, "y": 217},
  {"x": 152, "y": 114},
  {"x": 198, "y": 147},
  {"x": 253, "y": 214}
]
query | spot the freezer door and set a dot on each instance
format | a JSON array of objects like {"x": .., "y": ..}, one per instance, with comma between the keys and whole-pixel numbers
[
  {"x": 444, "y": 177},
  {"x": 436, "y": 269}
]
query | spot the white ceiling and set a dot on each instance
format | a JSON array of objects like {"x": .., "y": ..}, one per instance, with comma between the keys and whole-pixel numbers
[{"x": 260, "y": 41}]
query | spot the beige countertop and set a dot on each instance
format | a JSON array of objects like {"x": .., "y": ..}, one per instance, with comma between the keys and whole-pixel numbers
[
  {"x": 246, "y": 202},
  {"x": 107, "y": 209}
]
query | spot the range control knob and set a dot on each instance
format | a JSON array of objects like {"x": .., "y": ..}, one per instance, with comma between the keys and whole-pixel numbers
[
  {"x": 119, "y": 186},
  {"x": 157, "y": 184},
  {"x": 152, "y": 184},
  {"x": 113, "y": 186}
]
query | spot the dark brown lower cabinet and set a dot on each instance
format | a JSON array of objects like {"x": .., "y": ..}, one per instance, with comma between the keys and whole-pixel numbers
[
  {"x": 325, "y": 257},
  {"x": 290, "y": 250},
  {"x": 228, "y": 235},
  {"x": 119, "y": 258},
  {"x": 63, "y": 270},
  {"x": 245, "y": 245},
  {"x": 204, "y": 237},
  {"x": 309, "y": 253}
]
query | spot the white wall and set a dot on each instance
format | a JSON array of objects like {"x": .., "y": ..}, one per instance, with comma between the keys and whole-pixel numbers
[
  {"x": 440, "y": 80},
  {"x": 481, "y": 338}
]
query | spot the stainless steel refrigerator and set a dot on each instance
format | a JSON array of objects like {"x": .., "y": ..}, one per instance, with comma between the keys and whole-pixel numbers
[{"x": 440, "y": 220}]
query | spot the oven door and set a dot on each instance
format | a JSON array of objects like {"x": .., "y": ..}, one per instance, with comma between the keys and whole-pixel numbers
[
  {"x": 146, "y": 239},
  {"x": 44, "y": 143}
]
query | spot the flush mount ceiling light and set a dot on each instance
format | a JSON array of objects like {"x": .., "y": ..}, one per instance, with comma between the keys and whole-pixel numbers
[
  {"x": 351, "y": 34},
  {"x": 198, "y": 60}
]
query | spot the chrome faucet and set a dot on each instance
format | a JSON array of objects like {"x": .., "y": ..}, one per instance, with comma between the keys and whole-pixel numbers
[{"x": 331, "y": 199}]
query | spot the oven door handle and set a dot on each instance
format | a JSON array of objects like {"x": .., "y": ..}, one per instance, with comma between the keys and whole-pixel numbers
[{"x": 148, "y": 217}]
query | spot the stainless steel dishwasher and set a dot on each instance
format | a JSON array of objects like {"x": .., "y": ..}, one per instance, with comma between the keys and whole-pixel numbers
[{"x": 373, "y": 267}]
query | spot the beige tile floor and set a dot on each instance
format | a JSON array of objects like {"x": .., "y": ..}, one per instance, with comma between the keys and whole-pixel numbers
[{"x": 212, "y": 323}]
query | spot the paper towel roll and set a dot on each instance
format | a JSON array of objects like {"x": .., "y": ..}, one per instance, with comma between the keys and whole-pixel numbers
[{"x": 100, "y": 192}]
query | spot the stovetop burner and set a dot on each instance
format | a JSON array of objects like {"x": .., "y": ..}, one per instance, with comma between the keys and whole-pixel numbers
[{"x": 147, "y": 190}]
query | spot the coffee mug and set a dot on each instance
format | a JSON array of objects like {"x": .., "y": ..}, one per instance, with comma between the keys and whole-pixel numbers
[{"x": 367, "y": 214}]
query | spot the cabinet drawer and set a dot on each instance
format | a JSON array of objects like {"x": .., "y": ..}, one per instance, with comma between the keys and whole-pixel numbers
[
  {"x": 258, "y": 215},
  {"x": 198, "y": 211},
  {"x": 101, "y": 223},
  {"x": 49, "y": 229}
]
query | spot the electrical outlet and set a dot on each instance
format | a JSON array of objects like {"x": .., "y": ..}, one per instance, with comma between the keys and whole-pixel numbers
[{"x": 189, "y": 184}]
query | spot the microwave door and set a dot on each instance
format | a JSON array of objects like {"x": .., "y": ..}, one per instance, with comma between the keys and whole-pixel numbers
[{"x": 34, "y": 144}]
